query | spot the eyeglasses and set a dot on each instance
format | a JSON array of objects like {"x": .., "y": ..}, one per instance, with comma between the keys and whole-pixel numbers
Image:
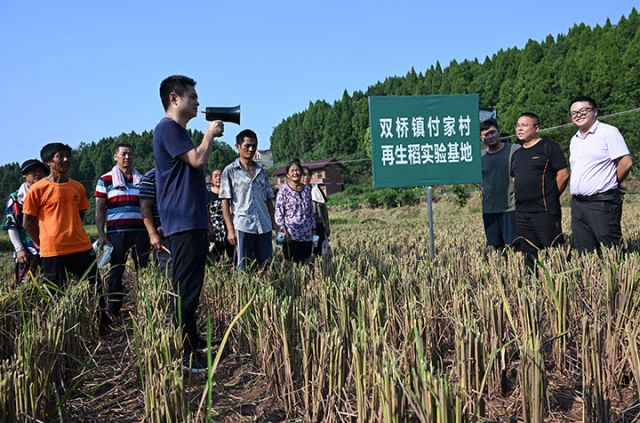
[
  {"x": 249, "y": 146},
  {"x": 523, "y": 125},
  {"x": 581, "y": 112}
]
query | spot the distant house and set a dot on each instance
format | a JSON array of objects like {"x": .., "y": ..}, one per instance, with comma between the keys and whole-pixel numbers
[
  {"x": 326, "y": 173},
  {"x": 264, "y": 158}
]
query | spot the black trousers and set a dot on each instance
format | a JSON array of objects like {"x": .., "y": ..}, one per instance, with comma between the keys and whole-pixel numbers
[
  {"x": 596, "y": 223},
  {"x": 138, "y": 243},
  {"x": 297, "y": 251},
  {"x": 322, "y": 235},
  {"x": 220, "y": 251},
  {"x": 56, "y": 269},
  {"x": 536, "y": 231},
  {"x": 189, "y": 255},
  {"x": 83, "y": 264}
]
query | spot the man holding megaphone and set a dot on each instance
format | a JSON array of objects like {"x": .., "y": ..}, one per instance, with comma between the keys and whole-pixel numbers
[{"x": 182, "y": 203}]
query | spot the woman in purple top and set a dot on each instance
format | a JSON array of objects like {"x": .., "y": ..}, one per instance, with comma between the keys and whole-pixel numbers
[{"x": 294, "y": 213}]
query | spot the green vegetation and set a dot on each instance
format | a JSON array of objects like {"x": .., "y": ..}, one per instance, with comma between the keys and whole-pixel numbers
[
  {"x": 379, "y": 331},
  {"x": 91, "y": 160},
  {"x": 357, "y": 196},
  {"x": 603, "y": 62},
  {"x": 542, "y": 77},
  {"x": 364, "y": 196}
]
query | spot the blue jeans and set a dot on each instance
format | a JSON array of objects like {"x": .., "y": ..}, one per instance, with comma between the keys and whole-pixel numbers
[{"x": 252, "y": 248}]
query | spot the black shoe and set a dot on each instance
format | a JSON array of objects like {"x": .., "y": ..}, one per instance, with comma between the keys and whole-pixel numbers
[
  {"x": 194, "y": 363},
  {"x": 202, "y": 347},
  {"x": 104, "y": 325}
]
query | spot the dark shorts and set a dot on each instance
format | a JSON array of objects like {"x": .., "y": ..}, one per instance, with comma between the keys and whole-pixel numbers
[{"x": 500, "y": 228}]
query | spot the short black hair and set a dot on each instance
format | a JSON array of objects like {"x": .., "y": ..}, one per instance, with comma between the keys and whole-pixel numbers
[
  {"x": 50, "y": 150},
  {"x": 178, "y": 84},
  {"x": 488, "y": 123},
  {"x": 291, "y": 163},
  {"x": 245, "y": 133},
  {"x": 123, "y": 144},
  {"x": 306, "y": 169},
  {"x": 533, "y": 116},
  {"x": 586, "y": 98}
]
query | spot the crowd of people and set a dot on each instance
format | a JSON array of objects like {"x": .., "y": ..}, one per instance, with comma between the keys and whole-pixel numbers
[
  {"x": 522, "y": 184},
  {"x": 173, "y": 216},
  {"x": 169, "y": 214}
]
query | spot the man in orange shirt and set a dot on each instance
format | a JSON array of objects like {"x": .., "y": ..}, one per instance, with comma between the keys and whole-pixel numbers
[{"x": 53, "y": 212}]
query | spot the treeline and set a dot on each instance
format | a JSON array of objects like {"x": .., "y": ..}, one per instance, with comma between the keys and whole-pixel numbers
[
  {"x": 603, "y": 62},
  {"x": 91, "y": 160}
]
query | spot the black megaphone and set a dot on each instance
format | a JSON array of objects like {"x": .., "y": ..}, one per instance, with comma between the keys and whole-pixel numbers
[{"x": 225, "y": 114}]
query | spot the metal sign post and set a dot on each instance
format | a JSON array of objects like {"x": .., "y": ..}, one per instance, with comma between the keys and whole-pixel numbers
[{"x": 432, "y": 243}]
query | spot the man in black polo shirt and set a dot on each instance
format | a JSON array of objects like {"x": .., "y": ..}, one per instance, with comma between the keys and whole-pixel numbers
[{"x": 540, "y": 175}]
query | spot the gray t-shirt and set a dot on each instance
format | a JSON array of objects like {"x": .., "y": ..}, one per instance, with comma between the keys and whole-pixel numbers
[
  {"x": 497, "y": 183},
  {"x": 249, "y": 196}
]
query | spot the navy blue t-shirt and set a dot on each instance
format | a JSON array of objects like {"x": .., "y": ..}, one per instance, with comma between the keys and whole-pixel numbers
[{"x": 181, "y": 193}]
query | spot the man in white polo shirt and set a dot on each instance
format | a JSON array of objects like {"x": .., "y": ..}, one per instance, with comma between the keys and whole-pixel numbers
[{"x": 600, "y": 161}]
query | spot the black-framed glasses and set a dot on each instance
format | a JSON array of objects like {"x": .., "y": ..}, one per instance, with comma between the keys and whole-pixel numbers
[{"x": 581, "y": 112}]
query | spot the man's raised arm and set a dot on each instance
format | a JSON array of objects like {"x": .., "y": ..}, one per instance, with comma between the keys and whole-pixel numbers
[{"x": 199, "y": 157}]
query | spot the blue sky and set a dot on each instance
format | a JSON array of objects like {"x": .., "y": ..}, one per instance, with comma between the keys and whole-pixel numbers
[{"x": 79, "y": 71}]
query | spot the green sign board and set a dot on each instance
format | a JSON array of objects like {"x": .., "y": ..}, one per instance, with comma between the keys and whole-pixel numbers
[{"x": 425, "y": 140}]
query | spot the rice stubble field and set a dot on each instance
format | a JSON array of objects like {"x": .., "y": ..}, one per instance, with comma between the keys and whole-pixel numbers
[{"x": 377, "y": 332}]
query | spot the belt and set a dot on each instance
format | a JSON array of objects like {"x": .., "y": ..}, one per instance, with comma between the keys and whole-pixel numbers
[{"x": 612, "y": 194}]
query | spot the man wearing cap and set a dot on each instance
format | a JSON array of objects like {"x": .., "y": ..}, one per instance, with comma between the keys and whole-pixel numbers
[
  {"x": 600, "y": 161},
  {"x": 118, "y": 206},
  {"x": 26, "y": 252}
]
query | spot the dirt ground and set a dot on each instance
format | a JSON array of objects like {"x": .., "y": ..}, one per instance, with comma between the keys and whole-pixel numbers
[{"x": 110, "y": 391}]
